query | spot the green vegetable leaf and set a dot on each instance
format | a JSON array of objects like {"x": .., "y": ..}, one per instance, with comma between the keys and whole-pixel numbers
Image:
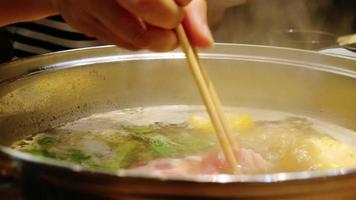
[
  {"x": 140, "y": 129},
  {"x": 41, "y": 153},
  {"x": 162, "y": 146},
  {"x": 77, "y": 155},
  {"x": 46, "y": 141},
  {"x": 194, "y": 145},
  {"x": 123, "y": 153},
  {"x": 123, "y": 156}
]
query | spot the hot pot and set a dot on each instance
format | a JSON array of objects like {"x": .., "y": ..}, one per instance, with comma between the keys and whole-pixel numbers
[{"x": 50, "y": 90}]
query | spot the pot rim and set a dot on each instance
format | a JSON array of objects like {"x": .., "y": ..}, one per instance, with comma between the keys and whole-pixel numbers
[
  {"x": 21, "y": 68},
  {"x": 221, "y": 178},
  {"x": 102, "y": 54}
]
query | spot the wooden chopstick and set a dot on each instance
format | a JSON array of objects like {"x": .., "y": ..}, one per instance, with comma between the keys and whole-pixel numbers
[
  {"x": 216, "y": 101},
  {"x": 210, "y": 99}
]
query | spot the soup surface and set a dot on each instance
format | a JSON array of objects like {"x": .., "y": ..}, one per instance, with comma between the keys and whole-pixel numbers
[{"x": 179, "y": 140}]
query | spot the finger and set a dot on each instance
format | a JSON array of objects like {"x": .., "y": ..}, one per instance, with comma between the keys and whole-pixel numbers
[
  {"x": 161, "y": 13},
  {"x": 159, "y": 40},
  {"x": 104, "y": 34},
  {"x": 196, "y": 26},
  {"x": 90, "y": 26},
  {"x": 119, "y": 21},
  {"x": 182, "y": 2},
  {"x": 154, "y": 39}
]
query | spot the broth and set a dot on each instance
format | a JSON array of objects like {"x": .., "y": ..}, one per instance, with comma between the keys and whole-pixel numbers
[{"x": 179, "y": 140}]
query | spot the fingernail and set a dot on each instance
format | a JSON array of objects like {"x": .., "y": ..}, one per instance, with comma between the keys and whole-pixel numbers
[
  {"x": 205, "y": 29},
  {"x": 208, "y": 33}
]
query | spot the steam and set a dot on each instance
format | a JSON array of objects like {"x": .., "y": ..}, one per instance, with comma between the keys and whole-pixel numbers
[{"x": 253, "y": 22}]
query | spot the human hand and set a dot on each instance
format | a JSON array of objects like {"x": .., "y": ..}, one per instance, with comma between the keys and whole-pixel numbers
[
  {"x": 217, "y": 9},
  {"x": 138, "y": 24}
]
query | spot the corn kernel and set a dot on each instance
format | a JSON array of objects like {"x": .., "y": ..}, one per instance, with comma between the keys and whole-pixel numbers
[
  {"x": 199, "y": 122},
  {"x": 241, "y": 121},
  {"x": 237, "y": 122}
]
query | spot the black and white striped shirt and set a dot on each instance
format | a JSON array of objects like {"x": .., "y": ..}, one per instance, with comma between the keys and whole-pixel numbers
[{"x": 46, "y": 35}]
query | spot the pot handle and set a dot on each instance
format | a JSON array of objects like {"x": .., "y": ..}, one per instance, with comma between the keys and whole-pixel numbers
[{"x": 9, "y": 173}]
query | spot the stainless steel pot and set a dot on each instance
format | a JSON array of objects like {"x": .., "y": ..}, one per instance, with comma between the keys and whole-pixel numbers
[{"x": 49, "y": 90}]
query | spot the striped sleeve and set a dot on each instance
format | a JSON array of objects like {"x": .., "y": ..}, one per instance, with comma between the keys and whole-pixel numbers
[{"x": 47, "y": 35}]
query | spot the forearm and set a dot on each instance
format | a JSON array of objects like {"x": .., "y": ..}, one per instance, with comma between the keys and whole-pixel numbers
[{"x": 13, "y": 11}]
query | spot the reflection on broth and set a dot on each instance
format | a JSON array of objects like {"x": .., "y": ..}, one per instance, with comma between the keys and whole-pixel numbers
[{"x": 179, "y": 140}]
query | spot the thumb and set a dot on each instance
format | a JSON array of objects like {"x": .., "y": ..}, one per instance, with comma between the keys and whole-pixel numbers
[{"x": 196, "y": 24}]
